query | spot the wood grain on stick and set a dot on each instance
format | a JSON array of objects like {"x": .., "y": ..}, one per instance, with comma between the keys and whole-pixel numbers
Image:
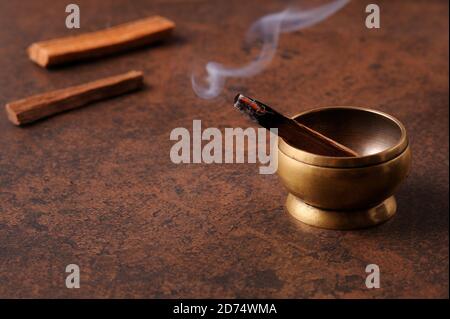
[
  {"x": 33, "y": 108},
  {"x": 99, "y": 43},
  {"x": 296, "y": 134}
]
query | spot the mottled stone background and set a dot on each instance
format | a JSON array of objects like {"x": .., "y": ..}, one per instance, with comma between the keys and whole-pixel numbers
[{"x": 96, "y": 186}]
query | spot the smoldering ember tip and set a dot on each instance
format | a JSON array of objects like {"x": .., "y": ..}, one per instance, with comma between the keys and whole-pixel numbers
[
  {"x": 249, "y": 106},
  {"x": 292, "y": 131}
]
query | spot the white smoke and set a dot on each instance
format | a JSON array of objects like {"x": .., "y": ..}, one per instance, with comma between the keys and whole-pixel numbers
[{"x": 265, "y": 30}]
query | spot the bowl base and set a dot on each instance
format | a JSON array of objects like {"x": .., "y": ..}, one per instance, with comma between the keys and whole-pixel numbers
[{"x": 342, "y": 220}]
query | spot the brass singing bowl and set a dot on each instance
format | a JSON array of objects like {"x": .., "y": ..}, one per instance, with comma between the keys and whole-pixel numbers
[{"x": 346, "y": 192}]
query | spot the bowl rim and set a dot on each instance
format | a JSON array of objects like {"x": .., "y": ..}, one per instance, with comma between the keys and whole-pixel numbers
[{"x": 342, "y": 162}]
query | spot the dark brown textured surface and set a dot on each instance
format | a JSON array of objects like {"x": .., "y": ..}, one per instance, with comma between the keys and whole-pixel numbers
[{"x": 96, "y": 186}]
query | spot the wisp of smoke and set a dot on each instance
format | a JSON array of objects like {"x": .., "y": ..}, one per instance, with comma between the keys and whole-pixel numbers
[{"x": 265, "y": 30}]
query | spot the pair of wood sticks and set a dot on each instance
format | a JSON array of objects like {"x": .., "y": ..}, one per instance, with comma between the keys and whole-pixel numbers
[
  {"x": 82, "y": 47},
  {"x": 128, "y": 36}
]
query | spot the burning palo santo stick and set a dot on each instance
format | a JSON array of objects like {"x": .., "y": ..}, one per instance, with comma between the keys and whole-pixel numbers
[
  {"x": 290, "y": 130},
  {"x": 33, "y": 108},
  {"x": 99, "y": 43}
]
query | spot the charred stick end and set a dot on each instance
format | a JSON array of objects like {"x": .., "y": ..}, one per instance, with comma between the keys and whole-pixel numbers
[{"x": 253, "y": 109}]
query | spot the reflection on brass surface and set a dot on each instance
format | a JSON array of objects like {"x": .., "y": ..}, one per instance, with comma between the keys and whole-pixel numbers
[
  {"x": 375, "y": 135},
  {"x": 340, "y": 219},
  {"x": 341, "y": 192}
]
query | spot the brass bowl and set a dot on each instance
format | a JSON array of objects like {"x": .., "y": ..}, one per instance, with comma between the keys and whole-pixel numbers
[{"x": 346, "y": 192}]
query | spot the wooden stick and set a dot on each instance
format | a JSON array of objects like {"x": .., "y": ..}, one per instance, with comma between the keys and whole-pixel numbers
[
  {"x": 99, "y": 43},
  {"x": 294, "y": 133},
  {"x": 39, "y": 106}
]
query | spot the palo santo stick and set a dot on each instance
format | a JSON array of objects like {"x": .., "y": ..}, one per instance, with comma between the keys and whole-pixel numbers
[
  {"x": 293, "y": 132},
  {"x": 99, "y": 43},
  {"x": 39, "y": 106}
]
